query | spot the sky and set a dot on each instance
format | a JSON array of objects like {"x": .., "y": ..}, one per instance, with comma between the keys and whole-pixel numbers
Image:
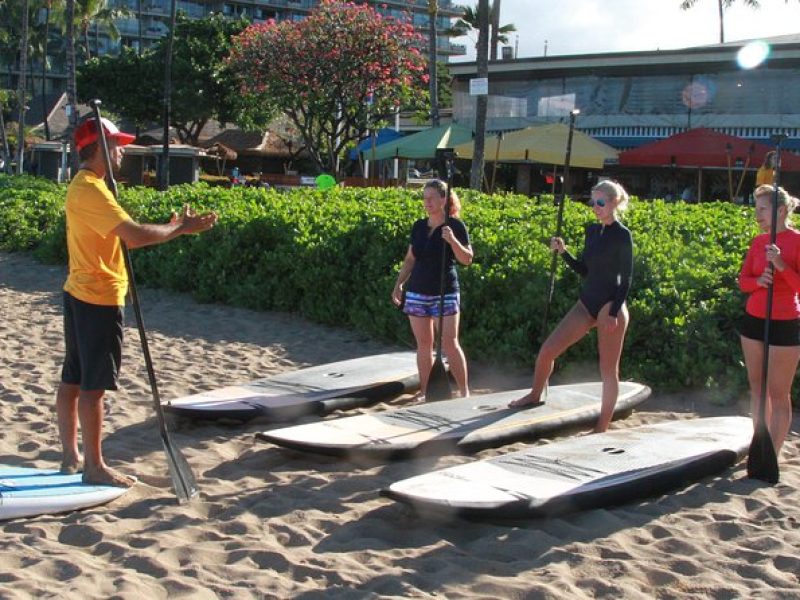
[{"x": 596, "y": 26}]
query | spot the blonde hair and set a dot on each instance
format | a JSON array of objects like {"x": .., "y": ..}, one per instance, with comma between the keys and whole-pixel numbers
[
  {"x": 615, "y": 192},
  {"x": 441, "y": 188},
  {"x": 784, "y": 199}
]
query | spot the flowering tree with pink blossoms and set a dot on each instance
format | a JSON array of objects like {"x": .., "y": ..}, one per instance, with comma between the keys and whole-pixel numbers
[{"x": 336, "y": 74}]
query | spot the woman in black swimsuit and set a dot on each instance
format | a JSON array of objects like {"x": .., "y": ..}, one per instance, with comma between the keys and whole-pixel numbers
[{"x": 606, "y": 264}]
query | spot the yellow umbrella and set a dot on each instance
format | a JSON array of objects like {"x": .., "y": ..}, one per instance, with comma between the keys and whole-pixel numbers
[{"x": 544, "y": 144}]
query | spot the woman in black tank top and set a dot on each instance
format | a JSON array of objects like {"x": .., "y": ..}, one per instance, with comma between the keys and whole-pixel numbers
[{"x": 606, "y": 264}]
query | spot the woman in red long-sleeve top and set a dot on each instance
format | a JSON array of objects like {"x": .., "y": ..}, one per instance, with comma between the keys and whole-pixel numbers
[{"x": 778, "y": 264}]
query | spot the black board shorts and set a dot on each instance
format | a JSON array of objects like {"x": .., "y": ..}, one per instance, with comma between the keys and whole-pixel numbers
[
  {"x": 782, "y": 332},
  {"x": 93, "y": 339}
]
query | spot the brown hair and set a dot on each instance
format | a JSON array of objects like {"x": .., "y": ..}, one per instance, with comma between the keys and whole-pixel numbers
[{"x": 441, "y": 188}]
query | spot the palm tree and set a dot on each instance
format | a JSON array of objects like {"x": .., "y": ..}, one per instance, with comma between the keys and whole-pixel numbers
[
  {"x": 72, "y": 86},
  {"x": 23, "y": 68},
  {"x": 97, "y": 13},
  {"x": 433, "y": 13},
  {"x": 469, "y": 23},
  {"x": 164, "y": 174},
  {"x": 476, "y": 174},
  {"x": 721, "y": 5}
]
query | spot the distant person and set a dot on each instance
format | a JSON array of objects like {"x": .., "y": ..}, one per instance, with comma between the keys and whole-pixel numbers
[
  {"x": 688, "y": 195},
  {"x": 778, "y": 264},
  {"x": 94, "y": 295},
  {"x": 418, "y": 286},
  {"x": 766, "y": 172},
  {"x": 606, "y": 264}
]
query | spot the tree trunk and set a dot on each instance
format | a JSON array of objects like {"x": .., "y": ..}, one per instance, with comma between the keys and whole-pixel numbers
[
  {"x": 164, "y": 174},
  {"x": 494, "y": 27},
  {"x": 139, "y": 24},
  {"x": 476, "y": 176},
  {"x": 23, "y": 69},
  {"x": 433, "y": 12},
  {"x": 721, "y": 22},
  {"x": 44, "y": 70},
  {"x": 72, "y": 87}
]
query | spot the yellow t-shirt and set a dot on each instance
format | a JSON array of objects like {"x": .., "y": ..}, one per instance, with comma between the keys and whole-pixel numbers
[
  {"x": 765, "y": 176},
  {"x": 96, "y": 266}
]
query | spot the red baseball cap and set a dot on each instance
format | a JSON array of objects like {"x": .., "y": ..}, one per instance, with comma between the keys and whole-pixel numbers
[{"x": 86, "y": 133}]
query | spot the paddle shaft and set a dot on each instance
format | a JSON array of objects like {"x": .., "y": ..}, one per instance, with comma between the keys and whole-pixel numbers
[
  {"x": 183, "y": 480},
  {"x": 559, "y": 223},
  {"x": 438, "y": 383},
  {"x": 762, "y": 461}
]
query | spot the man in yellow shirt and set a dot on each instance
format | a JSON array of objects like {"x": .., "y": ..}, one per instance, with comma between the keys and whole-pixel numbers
[{"x": 94, "y": 296}]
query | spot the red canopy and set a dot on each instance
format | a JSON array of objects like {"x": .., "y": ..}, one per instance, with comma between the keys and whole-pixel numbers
[{"x": 704, "y": 148}]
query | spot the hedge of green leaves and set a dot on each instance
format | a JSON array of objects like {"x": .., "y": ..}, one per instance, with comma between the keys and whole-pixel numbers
[{"x": 333, "y": 257}]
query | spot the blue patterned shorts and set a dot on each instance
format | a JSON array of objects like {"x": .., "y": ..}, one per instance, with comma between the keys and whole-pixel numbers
[{"x": 423, "y": 305}]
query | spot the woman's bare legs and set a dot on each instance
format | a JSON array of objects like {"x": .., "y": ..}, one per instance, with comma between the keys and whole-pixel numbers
[
  {"x": 783, "y": 362},
  {"x": 455, "y": 355},
  {"x": 575, "y": 324},
  {"x": 609, "y": 346},
  {"x": 422, "y": 328}
]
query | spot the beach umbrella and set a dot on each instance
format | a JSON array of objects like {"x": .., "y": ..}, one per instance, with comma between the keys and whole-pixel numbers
[
  {"x": 421, "y": 145},
  {"x": 547, "y": 144}
]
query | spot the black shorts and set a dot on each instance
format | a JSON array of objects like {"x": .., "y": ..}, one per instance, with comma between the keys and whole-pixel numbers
[
  {"x": 93, "y": 339},
  {"x": 782, "y": 332}
]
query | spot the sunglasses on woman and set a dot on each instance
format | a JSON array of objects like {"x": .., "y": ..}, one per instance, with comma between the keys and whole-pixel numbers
[{"x": 599, "y": 202}]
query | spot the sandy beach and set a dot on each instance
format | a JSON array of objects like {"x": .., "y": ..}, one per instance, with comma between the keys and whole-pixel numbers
[{"x": 272, "y": 523}]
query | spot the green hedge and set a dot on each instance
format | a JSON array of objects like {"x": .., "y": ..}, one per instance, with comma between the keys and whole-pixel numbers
[{"x": 333, "y": 257}]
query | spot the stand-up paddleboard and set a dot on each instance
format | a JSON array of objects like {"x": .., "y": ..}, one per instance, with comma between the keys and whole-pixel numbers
[
  {"x": 454, "y": 426},
  {"x": 314, "y": 390},
  {"x": 28, "y": 492},
  {"x": 581, "y": 473}
]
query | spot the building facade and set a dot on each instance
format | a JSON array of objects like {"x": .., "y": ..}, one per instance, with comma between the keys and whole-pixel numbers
[
  {"x": 632, "y": 98},
  {"x": 148, "y": 21}
]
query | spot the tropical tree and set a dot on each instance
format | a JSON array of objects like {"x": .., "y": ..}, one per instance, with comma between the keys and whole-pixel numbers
[
  {"x": 72, "y": 87},
  {"x": 23, "y": 69},
  {"x": 203, "y": 85},
  {"x": 336, "y": 74},
  {"x": 722, "y": 5},
  {"x": 433, "y": 78},
  {"x": 482, "y": 102},
  {"x": 469, "y": 23},
  {"x": 97, "y": 13}
]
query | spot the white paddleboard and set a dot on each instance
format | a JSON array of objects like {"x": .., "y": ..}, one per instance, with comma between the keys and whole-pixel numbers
[
  {"x": 314, "y": 390},
  {"x": 581, "y": 473},
  {"x": 461, "y": 425},
  {"x": 28, "y": 492}
]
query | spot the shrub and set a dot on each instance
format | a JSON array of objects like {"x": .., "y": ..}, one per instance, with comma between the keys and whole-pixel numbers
[{"x": 333, "y": 257}]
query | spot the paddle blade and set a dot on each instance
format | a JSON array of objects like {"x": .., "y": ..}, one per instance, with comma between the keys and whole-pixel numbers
[
  {"x": 183, "y": 481},
  {"x": 438, "y": 383},
  {"x": 762, "y": 462}
]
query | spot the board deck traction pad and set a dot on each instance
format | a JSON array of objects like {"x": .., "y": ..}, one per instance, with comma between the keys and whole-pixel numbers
[
  {"x": 313, "y": 390},
  {"x": 581, "y": 473},
  {"x": 451, "y": 426},
  {"x": 26, "y": 492}
]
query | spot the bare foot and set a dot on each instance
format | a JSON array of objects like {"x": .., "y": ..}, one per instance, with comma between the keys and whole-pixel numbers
[
  {"x": 71, "y": 464},
  {"x": 527, "y": 401},
  {"x": 106, "y": 476}
]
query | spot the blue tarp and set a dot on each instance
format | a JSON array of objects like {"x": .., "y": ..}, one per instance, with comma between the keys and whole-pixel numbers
[{"x": 382, "y": 136}]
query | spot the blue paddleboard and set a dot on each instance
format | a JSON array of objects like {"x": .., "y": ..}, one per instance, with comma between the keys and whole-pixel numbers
[{"x": 26, "y": 492}]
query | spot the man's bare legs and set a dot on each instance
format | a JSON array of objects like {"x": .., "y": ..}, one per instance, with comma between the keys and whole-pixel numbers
[
  {"x": 86, "y": 407},
  {"x": 67, "y": 414}
]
